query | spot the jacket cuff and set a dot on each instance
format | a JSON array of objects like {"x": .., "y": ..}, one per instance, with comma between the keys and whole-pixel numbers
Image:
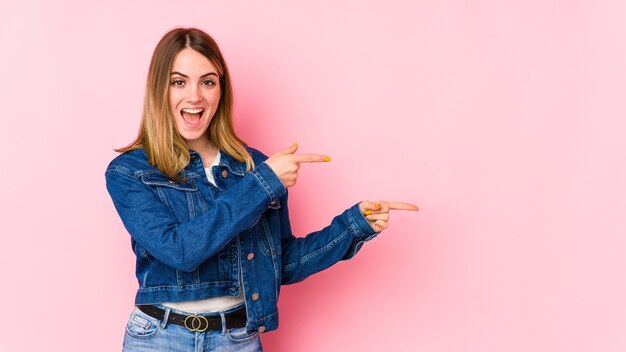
[
  {"x": 270, "y": 182},
  {"x": 363, "y": 232},
  {"x": 364, "y": 228}
]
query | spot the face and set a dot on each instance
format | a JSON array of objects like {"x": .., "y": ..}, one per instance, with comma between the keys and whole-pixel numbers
[{"x": 194, "y": 96}]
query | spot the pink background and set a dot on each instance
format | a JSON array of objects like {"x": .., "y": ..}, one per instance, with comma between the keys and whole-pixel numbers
[{"x": 503, "y": 120}]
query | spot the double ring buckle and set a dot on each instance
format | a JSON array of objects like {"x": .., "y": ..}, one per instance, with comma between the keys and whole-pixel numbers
[{"x": 198, "y": 323}]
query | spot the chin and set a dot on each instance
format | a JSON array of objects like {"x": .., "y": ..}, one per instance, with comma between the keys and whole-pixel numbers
[{"x": 192, "y": 136}]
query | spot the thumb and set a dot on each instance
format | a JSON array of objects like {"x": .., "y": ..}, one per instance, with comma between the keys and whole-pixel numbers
[
  {"x": 365, "y": 205},
  {"x": 289, "y": 150}
]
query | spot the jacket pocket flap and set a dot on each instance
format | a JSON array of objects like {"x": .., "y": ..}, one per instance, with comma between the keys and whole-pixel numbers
[{"x": 161, "y": 180}]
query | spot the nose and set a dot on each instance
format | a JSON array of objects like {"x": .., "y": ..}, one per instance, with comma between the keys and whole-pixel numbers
[{"x": 193, "y": 94}]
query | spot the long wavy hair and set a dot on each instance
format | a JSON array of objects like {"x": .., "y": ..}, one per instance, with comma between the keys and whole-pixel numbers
[{"x": 158, "y": 136}]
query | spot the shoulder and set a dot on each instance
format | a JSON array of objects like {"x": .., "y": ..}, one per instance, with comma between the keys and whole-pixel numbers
[
  {"x": 256, "y": 155},
  {"x": 131, "y": 162}
]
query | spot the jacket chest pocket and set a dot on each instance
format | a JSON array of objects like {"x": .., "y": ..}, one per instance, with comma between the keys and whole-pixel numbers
[{"x": 182, "y": 198}]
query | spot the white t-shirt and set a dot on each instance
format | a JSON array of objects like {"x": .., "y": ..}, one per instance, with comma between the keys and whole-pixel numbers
[{"x": 215, "y": 304}]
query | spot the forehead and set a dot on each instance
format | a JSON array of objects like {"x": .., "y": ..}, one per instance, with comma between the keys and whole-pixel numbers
[{"x": 191, "y": 62}]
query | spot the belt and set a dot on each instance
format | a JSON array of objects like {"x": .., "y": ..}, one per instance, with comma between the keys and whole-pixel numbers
[{"x": 200, "y": 323}]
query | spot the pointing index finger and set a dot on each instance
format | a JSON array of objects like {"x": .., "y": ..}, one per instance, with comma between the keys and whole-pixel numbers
[
  {"x": 310, "y": 158},
  {"x": 400, "y": 206}
]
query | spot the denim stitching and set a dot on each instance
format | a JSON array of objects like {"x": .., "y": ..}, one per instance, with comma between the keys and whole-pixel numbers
[
  {"x": 318, "y": 252},
  {"x": 263, "y": 183}
]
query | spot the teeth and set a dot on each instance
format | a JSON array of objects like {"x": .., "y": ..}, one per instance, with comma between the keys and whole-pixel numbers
[{"x": 193, "y": 111}]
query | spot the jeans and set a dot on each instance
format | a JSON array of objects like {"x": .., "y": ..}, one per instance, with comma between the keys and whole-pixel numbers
[{"x": 147, "y": 334}]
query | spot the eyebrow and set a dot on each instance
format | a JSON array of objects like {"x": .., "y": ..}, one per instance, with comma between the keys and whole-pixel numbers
[{"x": 204, "y": 75}]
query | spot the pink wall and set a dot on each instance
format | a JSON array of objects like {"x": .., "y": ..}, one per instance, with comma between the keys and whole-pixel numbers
[{"x": 503, "y": 120}]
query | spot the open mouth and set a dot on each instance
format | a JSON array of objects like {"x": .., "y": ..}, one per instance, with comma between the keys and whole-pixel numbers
[{"x": 192, "y": 117}]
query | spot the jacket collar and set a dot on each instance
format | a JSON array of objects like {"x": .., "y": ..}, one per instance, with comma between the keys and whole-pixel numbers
[{"x": 227, "y": 161}]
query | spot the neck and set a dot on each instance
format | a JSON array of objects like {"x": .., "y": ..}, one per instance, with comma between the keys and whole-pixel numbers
[{"x": 205, "y": 148}]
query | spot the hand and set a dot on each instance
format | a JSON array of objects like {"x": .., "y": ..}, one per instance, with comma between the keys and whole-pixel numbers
[
  {"x": 377, "y": 213},
  {"x": 286, "y": 163}
]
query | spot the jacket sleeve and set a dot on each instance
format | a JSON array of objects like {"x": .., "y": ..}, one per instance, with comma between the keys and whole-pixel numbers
[
  {"x": 340, "y": 240},
  {"x": 185, "y": 245}
]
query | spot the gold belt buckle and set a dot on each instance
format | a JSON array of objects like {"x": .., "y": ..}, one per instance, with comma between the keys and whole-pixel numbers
[{"x": 198, "y": 323}]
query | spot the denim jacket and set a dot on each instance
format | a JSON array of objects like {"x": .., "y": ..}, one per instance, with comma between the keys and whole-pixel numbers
[{"x": 194, "y": 240}]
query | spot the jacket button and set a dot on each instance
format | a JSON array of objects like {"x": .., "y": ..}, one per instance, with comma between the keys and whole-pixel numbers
[
  {"x": 255, "y": 296},
  {"x": 261, "y": 329},
  {"x": 224, "y": 173},
  {"x": 250, "y": 256},
  {"x": 273, "y": 202}
]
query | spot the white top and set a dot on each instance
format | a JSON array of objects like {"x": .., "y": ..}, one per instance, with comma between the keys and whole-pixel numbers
[
  {"x": 215, "y": 304},
  {"x": 209, "y": 174}
]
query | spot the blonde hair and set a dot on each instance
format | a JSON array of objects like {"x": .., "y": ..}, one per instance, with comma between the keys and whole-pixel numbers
[{"x": 158, "y": 136}]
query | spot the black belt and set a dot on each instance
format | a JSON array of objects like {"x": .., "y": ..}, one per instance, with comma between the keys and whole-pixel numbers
[{"x": 200, "y": 323}]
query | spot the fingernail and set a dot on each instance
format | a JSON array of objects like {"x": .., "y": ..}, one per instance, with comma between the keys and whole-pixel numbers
[
  {"x": 327, "y": 158},
  {"x": 295, "y": 145},
  {"x": 367, "y": 212},
  {"x": 376, "y": 205}
]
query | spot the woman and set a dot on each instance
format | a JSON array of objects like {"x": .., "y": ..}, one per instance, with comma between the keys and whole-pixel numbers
[{"x": 208, "y": 215}]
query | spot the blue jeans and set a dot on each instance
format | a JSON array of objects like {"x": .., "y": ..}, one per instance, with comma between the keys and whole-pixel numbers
[{"x": 147, "y": 334}]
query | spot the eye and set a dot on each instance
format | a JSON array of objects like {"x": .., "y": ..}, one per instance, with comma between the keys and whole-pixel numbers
[
  {"x": 177, "y": 83},
  {"x": 208, "y": 82}
]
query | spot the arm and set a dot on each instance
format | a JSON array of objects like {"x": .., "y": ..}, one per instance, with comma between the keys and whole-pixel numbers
[
  {"x": 185, "y": 245},
  {"x": 340, "y": 240}
]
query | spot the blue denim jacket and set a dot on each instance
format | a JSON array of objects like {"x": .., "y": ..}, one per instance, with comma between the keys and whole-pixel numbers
[{"x": 193, "y": 240}]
